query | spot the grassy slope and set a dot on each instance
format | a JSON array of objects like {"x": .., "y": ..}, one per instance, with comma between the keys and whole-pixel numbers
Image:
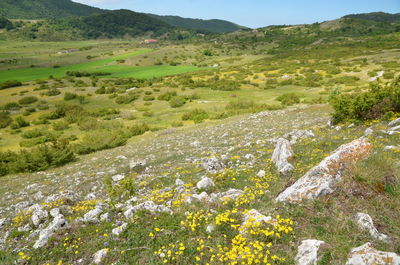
[{"x": 329, "y": 218}]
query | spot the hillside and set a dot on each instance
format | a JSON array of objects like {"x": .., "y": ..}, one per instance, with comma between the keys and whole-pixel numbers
[
  {"x": 42, "y": 9},
  {"x": 212, "y": 25},
  {"x": 376, "y": 16}
]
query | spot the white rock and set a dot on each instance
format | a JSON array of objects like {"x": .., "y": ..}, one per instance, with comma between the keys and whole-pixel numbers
[
  {"x": 391, "y": 147},
  {"x": 281, "y": 156},
  {"x": 147, "y": 206},
  {"x": 231, "y": 194},
  {"x": 179, "y": 182},
  {"x": 118, "y": 178},
  {"x": 119, "y": 230},
  {"x": 307, "y": 253},
  {"x": 205, "y": 183},
  {"x": 295, "y": 135},
  {"x": 368, "y": 132},
  {"x": 46, "y": 233},
  {"x": 395, "y": 129},
  {"x": 338, "y": 128},
  {"x": 92, "y": 216},
  {"x": 367, "y": 255},
  {"x": 100, "y": 255},
  {"x": 210, "y": 228},
  {"x": 55, "y": 212},
  {"x": 105, "y": 217},
  {"x": 195, "y": 144},
  {"x": 39, "y": 216},
  {"x": 394, "y": 123},
  {"x": 202, "y": 197},
  {"x": 2, "y": 222},
  {"x": 261, "y": 173},
  {"x": 253, "y": 217},
  {"x": 321, "y": 179},
  {"x": 212, "y": 164},
  {"x": 365, "y": 222}
]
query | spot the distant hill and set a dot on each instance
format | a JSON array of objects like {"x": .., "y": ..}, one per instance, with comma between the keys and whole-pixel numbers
[
  {"x": 117, "y": 24},
  {"x": 44, "y": 9},
  {"x": 212, "y": 25},
  {"x": 376, "y": 16}
]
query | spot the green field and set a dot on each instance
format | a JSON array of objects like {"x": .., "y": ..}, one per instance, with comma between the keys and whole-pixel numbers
[{"x": 103, "y": 65}]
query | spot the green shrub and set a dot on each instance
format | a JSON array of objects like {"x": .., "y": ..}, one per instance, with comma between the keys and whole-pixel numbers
[
  {"x": 52, "y": 92},
  {"x": 5, "y": 119},
  {"x": 289, "y": 99},
  {"x": 27, "y": 100},
  {"x": 388, "y": 75},
  {"x": 32, "y": 133},
  {"x": 126, "y": 99},
  {"x": 70, "y": 96},
  {"x": 167, "y": 96},
  {"x": 149, "y": 98},
  {"x": 177, "y": 102},
  {"x": 37, "y": 159},
  {"x": 100, "y": 140},
  {"x": 196, "y": 115},
  {"x": 138, "y": 129},
  {"x": 374, "y": 103},
  {"x": 240, "y": 104},
  {"x": 12, "y": 106},
  {"x": 19, "y": 122},
  {"x": 10, "y": 83},
  {"x": 60, "y": 125}
]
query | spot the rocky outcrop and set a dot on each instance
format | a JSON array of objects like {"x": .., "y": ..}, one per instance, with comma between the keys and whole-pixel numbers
[
  {"x": 46, "y": 233},
  {"x": 146, "y": 206},
  {"x": 282, "y": 155},
  {"x": 365, "y": 222},
  {"x": 212, "y": 165},
  {"x": 205, "y": 183},
  {"x": 307, "y": 253},
  {"x": 321, "y": 179},
  {"x": 367, "y": 255}
]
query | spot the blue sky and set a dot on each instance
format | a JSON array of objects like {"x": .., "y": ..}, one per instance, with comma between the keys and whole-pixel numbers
[{"x": 253, "y": 13}]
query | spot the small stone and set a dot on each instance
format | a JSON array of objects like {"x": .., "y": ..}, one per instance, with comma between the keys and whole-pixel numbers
[
  {"x": 147, "y": 206},
  {"x": 367, "y": 255},
  {"x": 205, "y": 183},
  {"x": 394, "y": 123},
  {"x": 118, "y": 178},
  {"x": 210, "y": 228},
  {"x": 46, "y": 233},
  {"x": 365, "y": 222},
  {"x": 55, "y": 212},
  {"x": 261, "y": 174},
  {"x": 105, "y": 217},
  {"x": 119, "y": 230},
  {"x": 307, "y": 253},
  {"x": 368, "y": 132},
  {"x": 92, "y": 216},
  {"x": 281, "y": 156},
  {"x": 100, "y": 255},
  {"x": 179, "y": 182}
]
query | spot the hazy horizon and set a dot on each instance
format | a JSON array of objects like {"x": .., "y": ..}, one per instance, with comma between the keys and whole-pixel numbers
[{"x": 254, "y": 13}]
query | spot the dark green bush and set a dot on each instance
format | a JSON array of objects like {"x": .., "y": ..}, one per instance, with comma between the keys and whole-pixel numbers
[
  {"x": 52, "y": 92},
  {"x": 10, "y": 83},
  {"x": 19, "y": 122},
  {"x": 27, "y": 100},
  {"x": 126, "y": 99},
  {"x": 70, "y": 96},
  {"x": 12, "y": 106},
  {"x": 374, "y": 103},
  {"x": 138, "y": 129},
  {"x": 37, "y": 159},
  {"x": 5, "y": 119},
  {"x": 148, "y": 98}
]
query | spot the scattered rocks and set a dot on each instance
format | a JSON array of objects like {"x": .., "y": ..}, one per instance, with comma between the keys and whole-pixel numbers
[
  {"x": 365, "y": 222},
  {"x": 46, "y": 233},
  {"x": 321, "y": 179},
  {"x": 367, "y": 255},
  {"x": 282, "y": 155},
  {"x": 100, "y": 255},
  {"x": 205, "y": 183},
  {"x": 307, "y": 253},
  {"x": 147, "y": 206},
  {"x": 295, "y": 135}
]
